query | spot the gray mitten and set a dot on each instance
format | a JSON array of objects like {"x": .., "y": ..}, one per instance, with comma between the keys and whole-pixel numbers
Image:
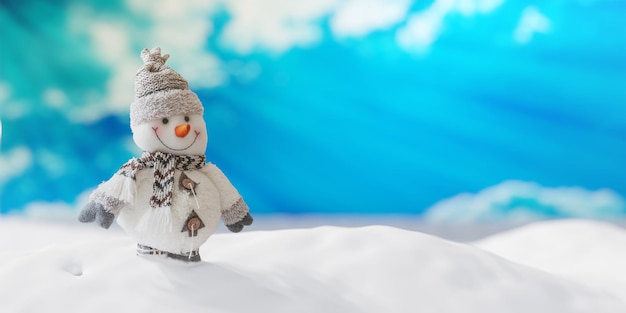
[
  {"x": 237, "y": 227},
  {"x": 95, "y": 212}
]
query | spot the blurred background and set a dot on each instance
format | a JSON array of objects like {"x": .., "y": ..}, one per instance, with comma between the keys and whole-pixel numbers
[{"x": 443, "y": 112}]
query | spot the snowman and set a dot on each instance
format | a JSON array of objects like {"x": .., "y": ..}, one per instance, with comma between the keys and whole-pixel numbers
[{"x": 169, "y": 200}]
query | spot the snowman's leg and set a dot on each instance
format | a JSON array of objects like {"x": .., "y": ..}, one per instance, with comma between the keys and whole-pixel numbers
[{"x": 192, "y": 256}]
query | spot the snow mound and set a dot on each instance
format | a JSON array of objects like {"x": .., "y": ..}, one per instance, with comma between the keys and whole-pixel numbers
[
  {"x": 585, "y": 251},
  {"x": 324, "y": 269}
]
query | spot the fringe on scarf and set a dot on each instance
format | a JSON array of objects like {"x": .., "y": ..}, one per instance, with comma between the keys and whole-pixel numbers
[
  {"x": 122, "y": 188},
  {"x": 158, "y": 219}
]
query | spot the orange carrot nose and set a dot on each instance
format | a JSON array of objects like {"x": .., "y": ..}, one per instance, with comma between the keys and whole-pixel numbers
[{"x": 182, "y": 130}]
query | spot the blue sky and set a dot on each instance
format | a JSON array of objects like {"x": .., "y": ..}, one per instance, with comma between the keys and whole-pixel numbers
[{"x": 326, "y": 107}]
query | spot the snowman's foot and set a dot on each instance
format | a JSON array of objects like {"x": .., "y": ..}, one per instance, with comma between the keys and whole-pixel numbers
[{"x": 193, "y": 256}]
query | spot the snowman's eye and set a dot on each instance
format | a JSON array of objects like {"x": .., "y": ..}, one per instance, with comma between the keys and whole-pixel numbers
[
  {"x": 186, "y": 118},
  {"x": 165, "y": 121}
]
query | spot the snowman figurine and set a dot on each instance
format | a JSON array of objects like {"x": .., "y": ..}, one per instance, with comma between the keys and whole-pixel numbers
[{"x": 169, "y": 200}]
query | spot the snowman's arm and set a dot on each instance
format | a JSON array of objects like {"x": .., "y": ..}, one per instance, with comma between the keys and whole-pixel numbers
[
  {"x": 234, "y": 209},
  {"x": 108, "y": 203},
  {"x": 109, "y": 198},
  {"x": 115, "y": 193}
]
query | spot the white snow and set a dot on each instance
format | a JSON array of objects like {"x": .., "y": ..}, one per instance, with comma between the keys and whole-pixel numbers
[
  {"x": 592, "y": 253},
  {"x": 57, "y": 267}
]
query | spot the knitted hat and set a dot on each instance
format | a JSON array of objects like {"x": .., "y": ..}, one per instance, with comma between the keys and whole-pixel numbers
[{"x": 160, "y": 91}]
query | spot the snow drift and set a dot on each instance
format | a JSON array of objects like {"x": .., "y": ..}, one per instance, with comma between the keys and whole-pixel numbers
[
  {"x": 58, "y": 268},
  {"x": 588, "y": 252}
]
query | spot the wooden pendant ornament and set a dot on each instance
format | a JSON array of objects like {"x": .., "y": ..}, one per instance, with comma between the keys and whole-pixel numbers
[
  {"x": 193, "y": 224},
  {"x": 187, "y": 183}
]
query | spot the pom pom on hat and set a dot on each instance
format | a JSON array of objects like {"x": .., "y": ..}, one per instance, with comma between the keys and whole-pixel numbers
[{"x": 160, "y": 91}]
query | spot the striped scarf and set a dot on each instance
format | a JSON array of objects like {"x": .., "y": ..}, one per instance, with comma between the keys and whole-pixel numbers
[{"x": 163, "y": 165}]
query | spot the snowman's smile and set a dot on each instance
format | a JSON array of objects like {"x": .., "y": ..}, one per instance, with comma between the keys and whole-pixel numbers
[{"x": 174, "y": 149}]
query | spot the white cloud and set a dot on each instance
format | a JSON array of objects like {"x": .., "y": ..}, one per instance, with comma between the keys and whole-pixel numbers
[
  {"x": 532, "y": 22},
  {"x": 111, "y": 40},
  {"x": 14, "y": 162},
  {"x": 56, "y": 211},
  {"x": 279, "y": 25},
  {"x": 423, "y": 28},
  {"x": 358, "y": 18},
  {"x": 4, "y": 95},
  {"x": 472, "y": 7},
  {"x": 9, "y": 107},
  {"x": 52, "y": 163},
  {"x": 420, "y": 32},
  {"x": 50, "y": 211},
  {"x": 16, "y": 108},
  {"x": 54, "y": 97},
  {"x": 5, "y": 92},
  {"x": 518, "y": 201},
  {"x": 180, "y": 28},
  {"x": 243, "y": 71},
  {"x": 274, "y": 25}
]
